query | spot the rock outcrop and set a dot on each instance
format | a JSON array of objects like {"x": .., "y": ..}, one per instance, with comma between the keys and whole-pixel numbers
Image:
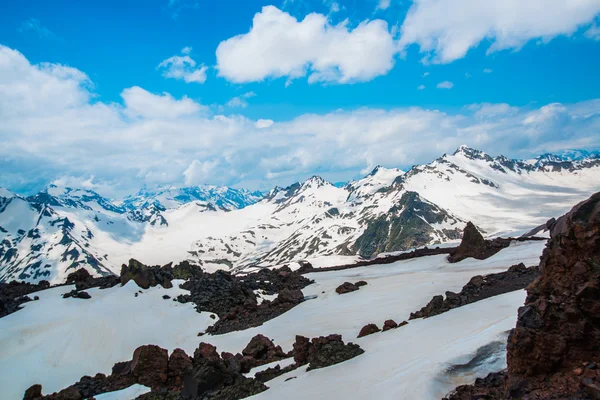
[
  {"x": 324, "y": 351},
  {"x": 474, "y": 245},
  {"x": 553, "y": 352},
  {"x": 146, "y": 276},
  {"x": 14, "y": 293},
  {"x": 479, "y": 288}
]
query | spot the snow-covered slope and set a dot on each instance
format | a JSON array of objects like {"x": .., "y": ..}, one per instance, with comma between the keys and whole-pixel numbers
[
  {"x": 58, "y": 340},
  {"x": 45, "y": 236}
]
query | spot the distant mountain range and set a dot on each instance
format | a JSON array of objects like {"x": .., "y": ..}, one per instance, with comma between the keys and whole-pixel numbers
[{"x": 48, "y": 235}]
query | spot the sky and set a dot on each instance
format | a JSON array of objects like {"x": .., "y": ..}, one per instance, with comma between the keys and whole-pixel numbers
[{"x": 117, "y": 95}]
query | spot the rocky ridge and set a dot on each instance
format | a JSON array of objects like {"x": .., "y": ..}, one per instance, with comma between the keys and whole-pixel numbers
[{"x": 553, "y": 353}]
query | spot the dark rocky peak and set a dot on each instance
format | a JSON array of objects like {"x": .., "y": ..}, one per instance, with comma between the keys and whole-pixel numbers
[
  {"x": 314, "y": 182},
  {"x": 279, "y": 194},
  {"x": 472, "y": 154}
]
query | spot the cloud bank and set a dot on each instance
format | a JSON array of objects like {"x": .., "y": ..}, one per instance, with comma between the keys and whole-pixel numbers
[{"x": 53, "y": 128}]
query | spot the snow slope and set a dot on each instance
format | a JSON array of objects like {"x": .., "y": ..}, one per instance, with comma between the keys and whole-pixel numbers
[{"x": 54, "y": 341}]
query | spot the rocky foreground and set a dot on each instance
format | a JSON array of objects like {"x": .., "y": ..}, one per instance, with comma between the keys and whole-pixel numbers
[{"x": 554, "y": 352}]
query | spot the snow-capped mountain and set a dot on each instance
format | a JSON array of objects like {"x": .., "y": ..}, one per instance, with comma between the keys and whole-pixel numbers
[{"x": 47, "y": 235}]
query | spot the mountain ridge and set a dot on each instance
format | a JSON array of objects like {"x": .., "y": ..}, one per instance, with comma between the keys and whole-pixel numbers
[{"x": 218, "y": 227}]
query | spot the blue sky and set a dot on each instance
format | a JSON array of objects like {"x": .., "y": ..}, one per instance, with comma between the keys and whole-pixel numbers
[{"x": 355, "y": 77}]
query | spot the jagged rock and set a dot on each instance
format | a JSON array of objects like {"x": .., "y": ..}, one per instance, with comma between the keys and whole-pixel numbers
[
  {"x": 346, "y": 287},
  {"x": 557, "y": 330},
  {"x": 329, "y": 350},
  {"x": 262, "y": 349},
  {"x": 368, "y": 329},
  {"x": 83, "y": 280},
  {"x": 179, "y": 364},
  {"x": 360, "y": 283},
  {"x": 474, "y": 245},
  {"x": 14, "y": 293},
  {"x": 479, "y": 288},
  {"x": 301, "y": 349},
  {"x": 33, "y": 393},
  {"x": 389, "y": 324},
  {"x": 145, "y": 276},
  {"x": 149, "y": 366}
]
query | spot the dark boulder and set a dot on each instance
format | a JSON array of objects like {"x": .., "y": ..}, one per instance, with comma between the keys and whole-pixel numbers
[
  {"x": 368, "y": 329},
  {"x": 262, "y": 349},
  {"x": 149, "y": 366},
  {"x": 346, "y": 287},
  {"x": 389, "y": 324},
  {"x": 33, "y": 393},
  {"x": 179, "y": 364},
  {"x": 290, "y": 296}
]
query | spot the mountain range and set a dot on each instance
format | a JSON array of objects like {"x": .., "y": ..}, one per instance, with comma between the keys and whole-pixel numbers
[{"x": 49, "y": 234}]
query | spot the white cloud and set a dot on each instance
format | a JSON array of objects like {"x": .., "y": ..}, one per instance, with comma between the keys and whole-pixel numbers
[
  {"x": 421, "y": 87},
  {"x": 446, "y": 29},
  {"x": 141, "y": 103},
  {"x": 425, "y": 74},
  {"x": 198, "y": 172},
  {"x": 487, "y": 71},
  {"x": 445, "y": 85},
  {"x": 52, "y": 127},
  {"x": 240, "y": 101},
  {"x": 383, "y": 4},
  {"x": 183, "y": 68},
  {"x": 291, "y": 48},
  {"x": 264, "y": 123}
]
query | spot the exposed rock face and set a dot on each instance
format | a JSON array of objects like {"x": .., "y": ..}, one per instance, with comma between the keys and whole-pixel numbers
[
  {"x": 408, "y": 224},
  {"x": 324, "y": 351},
  {"x": 368, "y": 329},
  {"x": 558, "y": 328},
  {"x": 262, "y": 349},
  {"x": 479, "y": 288},
  {"x": 553, "y": 352},
  {"x": 83, "y": 280},
  {"x": 205, "y": 376},
  {"x": 13, "y": 294},
  {"x": 474, "y": 245},
  {"x": 145, "y": 276}
]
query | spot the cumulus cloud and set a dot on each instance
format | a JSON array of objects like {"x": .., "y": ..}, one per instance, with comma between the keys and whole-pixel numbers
[
  {"x": 421, "y": 87},
  {"x": 199, "y": 173},
  {"x": 264, "y": 123},
  {"x": 279, "y": 45},
  {"x": 141, "y": 103},
  {"x": 445, "y": 85},
  {"x": 183, "y": 68},
  {"x": 446, "y": 29},
  {"x": 487, "y": 71},
  {"x": 53, "y": 128},
  {"x": 383, "y": 4},
  {"x": 240, "y": 101}
]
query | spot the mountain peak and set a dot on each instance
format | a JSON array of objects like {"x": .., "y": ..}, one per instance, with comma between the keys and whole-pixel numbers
[
  {"x": 473, "y": 154},
  {"x": 314, "y": 181}
]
